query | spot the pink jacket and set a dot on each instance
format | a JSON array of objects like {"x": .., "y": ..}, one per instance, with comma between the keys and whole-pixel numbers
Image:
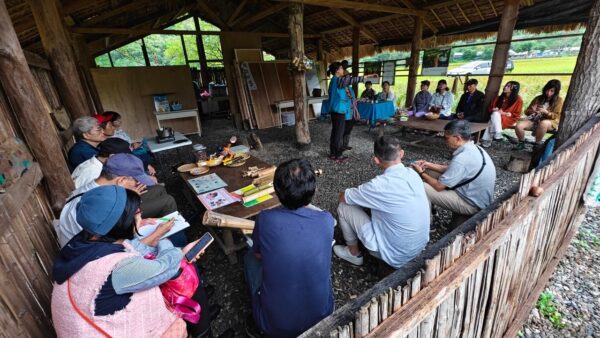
[{"x": 146, "y": 315}]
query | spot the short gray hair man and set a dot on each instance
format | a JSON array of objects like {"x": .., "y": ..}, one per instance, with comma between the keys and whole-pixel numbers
[
  {"x": 460, "y": 128},
  {"x": 83, "y": 125}
]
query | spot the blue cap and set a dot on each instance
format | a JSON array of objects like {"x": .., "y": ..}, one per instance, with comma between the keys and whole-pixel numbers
[
  {"x": 128, "y": 165},
  {"x": 100, "y": 208}
]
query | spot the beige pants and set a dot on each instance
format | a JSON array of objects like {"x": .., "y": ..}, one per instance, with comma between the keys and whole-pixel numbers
[
  {"x": 448, "y": 199},
  {"x": 352, "y": 219}
]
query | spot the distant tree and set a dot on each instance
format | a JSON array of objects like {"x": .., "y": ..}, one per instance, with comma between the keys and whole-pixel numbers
[
  {"x": 488, "y": 51},
  {"x": 469, "y": 54}
]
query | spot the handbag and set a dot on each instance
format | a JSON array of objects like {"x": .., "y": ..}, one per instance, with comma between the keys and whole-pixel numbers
[{"x": 178, "y": 292}]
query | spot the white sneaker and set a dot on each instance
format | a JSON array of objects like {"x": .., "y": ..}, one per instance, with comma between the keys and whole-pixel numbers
[
  {"x": 486, "y": 143},
  {"x": 343, "y": 252}
]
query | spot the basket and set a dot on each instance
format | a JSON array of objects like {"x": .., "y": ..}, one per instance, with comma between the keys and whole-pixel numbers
[
  {"x": 199, "y": 171},
  {"x": 432, "y": 116},
  {"x": 187, "y": 167}
]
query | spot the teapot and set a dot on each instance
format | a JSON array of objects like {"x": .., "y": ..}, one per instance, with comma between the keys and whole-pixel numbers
[{"x": 165, "y": 132}]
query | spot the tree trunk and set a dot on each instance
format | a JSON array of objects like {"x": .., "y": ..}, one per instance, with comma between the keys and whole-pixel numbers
[
  {"x": 58, "y": 48},
  {"x": 413, "y": 67},
  {"x": 297, "y": 51},
  {"x": 32, "y": 112},
  {"x": 583, "y": 98},
  {"x": 503, "y": 39},
  {"x": 355, "y": 54}
]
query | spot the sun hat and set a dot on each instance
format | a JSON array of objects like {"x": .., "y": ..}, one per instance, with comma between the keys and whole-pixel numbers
[{"x": 100, "y": 208}]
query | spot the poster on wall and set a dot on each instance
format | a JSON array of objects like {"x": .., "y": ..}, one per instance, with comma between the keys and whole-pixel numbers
[
  {"x": 247, "y": 75},
  {"x": 389, "y": 72},
  {"x": 373, "y": 68},
  {"x": 435, "y": 61}
]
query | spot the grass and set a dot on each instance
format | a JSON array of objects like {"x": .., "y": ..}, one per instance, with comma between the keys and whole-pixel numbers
[
  {"x": 547, "y": 308},
  {"x": 586, "y": 239},
  {"x": 531, "y": 86}
]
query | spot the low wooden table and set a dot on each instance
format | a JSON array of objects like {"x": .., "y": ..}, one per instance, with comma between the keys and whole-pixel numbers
[
  {"x": 437, "y": 126},
  {"x": 233, "y": 177}
]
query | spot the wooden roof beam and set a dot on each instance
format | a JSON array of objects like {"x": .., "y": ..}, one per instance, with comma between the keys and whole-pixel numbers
[
  {"x": 463, "y": 13},
  {"x": 410, "y": 5},
  {"x": 493, "y": 8},
  {"x": 236, "y": 12},
  {"x": 116, "y": 11},
  {"x": 366, "y": 22},
  {"x": 355, "y": 5},
  {"x": 248, "y": 20},
  {"x": 452, "y": 16},
  {"x": 211, "y": 15},
  {"x": 351, "y": 20},
  {"x": 478, "y": 10},
  {"x": 438, "y": 19}
]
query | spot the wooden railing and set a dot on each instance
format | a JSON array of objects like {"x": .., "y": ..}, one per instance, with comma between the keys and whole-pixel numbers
[{"x": 482, "y": 279}]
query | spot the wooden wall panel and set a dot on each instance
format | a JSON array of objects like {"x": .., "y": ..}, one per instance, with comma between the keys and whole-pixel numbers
[
  {"x": 260, "y": 100},
  {"x": 129, "y": 90},
  {"x": 285, "y": 80}
]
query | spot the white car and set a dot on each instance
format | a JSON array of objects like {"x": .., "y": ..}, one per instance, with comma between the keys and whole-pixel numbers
[{"x": 477, "y": 67}]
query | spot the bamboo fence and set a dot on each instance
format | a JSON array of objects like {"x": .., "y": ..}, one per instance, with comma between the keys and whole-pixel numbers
[{"x": 483, "y": 278}]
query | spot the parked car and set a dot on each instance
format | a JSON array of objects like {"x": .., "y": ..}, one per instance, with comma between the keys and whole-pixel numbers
[{"x": 477, "y": 68}]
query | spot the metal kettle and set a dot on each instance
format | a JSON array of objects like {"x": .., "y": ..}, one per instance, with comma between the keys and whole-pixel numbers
[{"x": 164, "y": 132}]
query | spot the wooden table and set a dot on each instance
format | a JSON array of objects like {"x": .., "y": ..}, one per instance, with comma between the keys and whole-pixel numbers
[
  {"x": 233, "y": 177},
  {"x": 437, "y": 126}
]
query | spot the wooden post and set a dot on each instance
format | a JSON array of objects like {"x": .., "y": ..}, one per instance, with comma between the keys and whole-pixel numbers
[
  {"x": 201, "y": 55},
  {"x": 413, "y": 67},
  {"x": 582, "y": 100},
  {"x": 355, "y": 54},
  {"x": 57, "y": 45},
  {"x": 296, "y": 28},
  {"x": 86, "y": 61},
  {"x": 505, "y": 32},
  {"x": 145, "y": 53},
  {"x": 32, "y": 111}
]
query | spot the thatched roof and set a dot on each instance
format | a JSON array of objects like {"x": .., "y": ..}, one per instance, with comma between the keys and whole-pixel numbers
[{"x": 444, "y": 21}]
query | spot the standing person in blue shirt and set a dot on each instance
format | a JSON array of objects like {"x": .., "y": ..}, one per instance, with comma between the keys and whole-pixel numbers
[
  {"x": 341, "y": 109},
  {"x": 88, "y": 136},
  {"x": 288, "y": 268},
  {"x": 398, "y": 228}
]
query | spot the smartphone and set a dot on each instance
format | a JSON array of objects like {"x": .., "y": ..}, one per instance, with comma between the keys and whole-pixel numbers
[{"x": 202, "y": 244}]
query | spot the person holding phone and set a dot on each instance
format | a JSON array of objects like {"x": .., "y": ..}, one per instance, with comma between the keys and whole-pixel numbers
[
  {"x": 103, "y": 282},
  {"x": 288, "y": 267}
]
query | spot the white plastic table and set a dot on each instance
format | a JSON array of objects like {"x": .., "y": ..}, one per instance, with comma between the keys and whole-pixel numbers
[{"x": 179, "y": 114}]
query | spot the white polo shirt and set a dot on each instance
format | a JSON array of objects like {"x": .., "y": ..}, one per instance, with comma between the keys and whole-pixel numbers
[{"x": 86, "y": 172}]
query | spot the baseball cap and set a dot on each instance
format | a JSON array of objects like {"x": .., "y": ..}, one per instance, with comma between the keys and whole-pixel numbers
[
  {"x": 128, "y": 165},
  {"x": 103, "y": 118},
  {"x": 100, "y": 208},
  {"x": 114, "y": 145}
]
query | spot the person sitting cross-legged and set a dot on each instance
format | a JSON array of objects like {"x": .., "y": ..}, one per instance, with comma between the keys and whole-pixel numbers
[
  {"x": 288, "y": 267},
  {"x": 398, "y": 228},
  {"x": 466, "y": 184},
  {"x": 505, "y": 110}
]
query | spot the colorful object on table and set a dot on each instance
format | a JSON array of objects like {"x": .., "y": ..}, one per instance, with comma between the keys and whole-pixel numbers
[
  {"x": 161, "y": 103},
  {"x": 216, "y": 199},
  {"x": 206, "y": 183},
  {"x": 257, "y": 201},
  {"x": 373, "y": 112}
]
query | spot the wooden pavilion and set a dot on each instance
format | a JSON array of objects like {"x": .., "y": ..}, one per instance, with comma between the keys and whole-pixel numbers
[{"x": 47, "y": 48}]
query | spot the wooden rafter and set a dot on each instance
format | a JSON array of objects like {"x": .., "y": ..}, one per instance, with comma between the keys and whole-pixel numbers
[
  {"x": 115, "y": 12},
  {"x": 351, "y": 20},
  {"x": 452, "y": 16},
  {"x": 366, "y": 22},
  {"x": 236, "y": 12},
  {"x": 248, "y": 20},
  {"x": 210, "y": 14},
  {"x": 478, "y": 10},
  {"x": 493, "y": 8},
  {"x": 442, "y": 4},
  {"x": 438, "y": 19},
  {"x": 410, "y": 5},
  {"x": 355, "y": 5},
  {"x": 463, "y": 13}
]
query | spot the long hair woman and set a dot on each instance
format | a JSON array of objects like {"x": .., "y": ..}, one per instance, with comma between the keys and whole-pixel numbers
[
  {"x": 505, "y": 110},
  {"x": 543, "y": 114}
]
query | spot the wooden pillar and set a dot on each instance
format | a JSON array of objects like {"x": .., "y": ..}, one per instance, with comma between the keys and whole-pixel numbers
[
  {"x": 503, "y": 39},
  {"x": 57, "y": 45},
  {"x": 582, "y": 100},
  {"x": 201, "y": 55},
  {"x": 355, "y": 54},
  {"x": 296, "y": 28},
  {"x": 320, "y": 56},
  {"x": 85, "y": 62},
  {"x": 145, "y": 53},
  {"x": 413, "y": 67},
  {"x": 32, "y": 111}
]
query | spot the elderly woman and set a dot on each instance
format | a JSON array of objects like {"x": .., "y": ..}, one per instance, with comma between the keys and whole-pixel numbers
[
  {"x": 543, "y": 114},
  {"x": 442, "y": 100},
  {"x": 88, "y": 135},
  {"x": 505, "y": 111},
  {"x": 103, "y": 282}
]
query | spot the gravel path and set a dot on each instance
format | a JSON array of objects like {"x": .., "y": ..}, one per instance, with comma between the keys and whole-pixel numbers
[
  {"x": 348, "y": 281},
  {"x": 574, "y": 288}
]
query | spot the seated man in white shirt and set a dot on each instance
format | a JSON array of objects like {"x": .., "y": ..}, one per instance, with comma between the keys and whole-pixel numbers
[
  {"x": 89, "y": 170},
  {"x": 398, "y": 228},
  {"x": 67, "y": 227}
]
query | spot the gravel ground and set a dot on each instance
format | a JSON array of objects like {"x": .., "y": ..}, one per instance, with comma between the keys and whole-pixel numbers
[
  {"x": 574, "y": 287},
  {"x": 348, "y": 281}
]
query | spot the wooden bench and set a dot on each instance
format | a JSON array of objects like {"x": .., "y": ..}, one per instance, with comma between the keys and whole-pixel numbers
[{"x": 437, "y": 126}]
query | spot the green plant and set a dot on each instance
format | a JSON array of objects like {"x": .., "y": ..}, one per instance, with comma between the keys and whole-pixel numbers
[{"x": 547, "y": 308}]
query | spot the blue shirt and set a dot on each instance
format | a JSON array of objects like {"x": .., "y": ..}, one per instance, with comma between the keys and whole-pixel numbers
[
  {"x": 80, "y": 152},
  {"x": 399, "y": 228},
  {"x": 339, "y": 102},
  {"x": 295, "y": 246},
  {"x": 421, "y": 101}
]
